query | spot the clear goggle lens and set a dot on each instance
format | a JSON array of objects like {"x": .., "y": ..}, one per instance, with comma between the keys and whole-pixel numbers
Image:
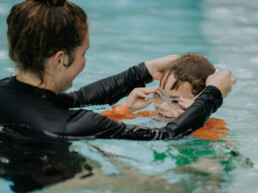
[
  {"x": 160, "y": 98},
  {"x": 172, "y": 102}
]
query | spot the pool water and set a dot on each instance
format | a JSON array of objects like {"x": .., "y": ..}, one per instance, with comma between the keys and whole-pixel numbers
[{"x": 124, "y": 33}]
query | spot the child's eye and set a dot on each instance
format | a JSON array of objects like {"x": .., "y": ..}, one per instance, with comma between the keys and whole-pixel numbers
[{"x": 174, "y": 101}]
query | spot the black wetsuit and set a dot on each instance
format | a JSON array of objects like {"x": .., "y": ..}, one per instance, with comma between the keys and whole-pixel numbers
[{"x": 43, "y": 110}]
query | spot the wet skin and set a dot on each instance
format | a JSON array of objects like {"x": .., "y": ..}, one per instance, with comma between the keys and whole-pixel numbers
[{"x": 162, "y": 107}]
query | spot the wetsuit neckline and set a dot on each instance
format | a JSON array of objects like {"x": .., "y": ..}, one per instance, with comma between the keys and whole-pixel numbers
[{"x": 24, "y": 86}]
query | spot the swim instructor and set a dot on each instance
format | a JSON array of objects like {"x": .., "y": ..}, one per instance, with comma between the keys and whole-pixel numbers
[{"x": 48, "y": 40}]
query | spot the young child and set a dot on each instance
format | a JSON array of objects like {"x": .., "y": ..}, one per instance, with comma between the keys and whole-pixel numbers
[{"x": 179, "y": 86}]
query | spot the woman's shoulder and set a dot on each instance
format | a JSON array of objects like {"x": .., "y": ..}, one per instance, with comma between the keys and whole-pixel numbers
[{"x": 5, "y": 81}]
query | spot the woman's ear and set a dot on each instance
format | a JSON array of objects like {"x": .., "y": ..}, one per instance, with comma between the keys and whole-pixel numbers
[{"x": 60, "y": 60}]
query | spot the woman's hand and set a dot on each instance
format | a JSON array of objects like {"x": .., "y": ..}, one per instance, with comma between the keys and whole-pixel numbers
[
  {"x": 157, "y": 66},
  {"x": 136, "y": 99},
  {"x": 222, "y": 80},
  {"x": 185, "y": 103},
  {"x": 175, "y": 112}
]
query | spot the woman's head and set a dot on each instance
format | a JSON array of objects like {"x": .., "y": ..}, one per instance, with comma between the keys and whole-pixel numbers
[
  {"x": 186, "y": 77},
  {"x": 38, "y": 29}
]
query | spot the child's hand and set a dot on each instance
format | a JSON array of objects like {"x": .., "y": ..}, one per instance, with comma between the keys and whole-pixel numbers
[
  {"x": 136, "y": 99},
  {"x": 185, "y": 103}
]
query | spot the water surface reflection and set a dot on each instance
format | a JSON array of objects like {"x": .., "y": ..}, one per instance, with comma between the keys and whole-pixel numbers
[{"x": 32, "y": 160}]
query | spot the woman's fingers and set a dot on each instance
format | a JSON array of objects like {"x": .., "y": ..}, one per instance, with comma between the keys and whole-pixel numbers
[
  {"x": 222, "y": 80},
  {"x": 136, "y": 99},
  {"x": 180, "y": 111},
  {"x": 141, "y": 94},
  {"x": 157, "y": 66},
  {"x": 148, "y": 102},
  {"x": 233, "y": 80},
  {"x": 144, "y": 92},
  {"x": 185, "y": 103},
  {"x": 176, "y": 112},
  {"x": 148, "y": 90}
]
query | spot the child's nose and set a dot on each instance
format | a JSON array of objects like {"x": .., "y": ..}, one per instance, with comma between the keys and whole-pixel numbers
[{"x": 163, "y": 106}]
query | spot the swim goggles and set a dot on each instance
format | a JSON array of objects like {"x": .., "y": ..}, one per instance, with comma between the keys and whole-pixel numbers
[
  {"x": 160, "y": 98},
  {"x": 172, "y": 102}
]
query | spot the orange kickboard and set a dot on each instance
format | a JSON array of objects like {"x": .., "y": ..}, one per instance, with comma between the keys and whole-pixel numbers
[{"x": 214, "y": 129}]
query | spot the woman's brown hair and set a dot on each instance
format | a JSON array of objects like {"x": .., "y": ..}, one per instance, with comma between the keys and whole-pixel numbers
[
  {"x": 38, "y": 29},
  {"x": 190, "y": 67}
]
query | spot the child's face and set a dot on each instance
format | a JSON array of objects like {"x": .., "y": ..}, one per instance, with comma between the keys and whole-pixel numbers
[{"x": 163, "y": 108}]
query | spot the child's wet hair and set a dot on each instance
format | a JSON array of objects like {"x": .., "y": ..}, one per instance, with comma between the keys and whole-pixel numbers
[{"x": 190, "y": 67}]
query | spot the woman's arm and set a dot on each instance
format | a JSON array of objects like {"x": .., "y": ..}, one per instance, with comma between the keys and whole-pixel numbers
[
  {"x": 86, "y": 124},
  {"x": 111, "y": 89}
]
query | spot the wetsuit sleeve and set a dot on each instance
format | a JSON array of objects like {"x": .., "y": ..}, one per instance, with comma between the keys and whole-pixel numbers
[
  {"x": 101, "y": 127},
  {"x": 111, "y": 89}
]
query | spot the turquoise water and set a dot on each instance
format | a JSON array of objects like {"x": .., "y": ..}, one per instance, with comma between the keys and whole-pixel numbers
[{"x": 124, "y": 33}]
